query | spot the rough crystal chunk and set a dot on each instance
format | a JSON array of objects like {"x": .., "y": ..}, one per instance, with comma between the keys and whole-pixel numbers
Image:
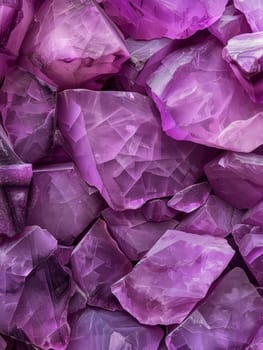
[
  {"x": 72, "y": 44},
  {"x": 172, "y": 277},
  {"x": 18, "y": 257},
  {"x": 254, "y": 216},
  {"x": 97, "y": 262},
  {"x": 227, "y": 319},
  {"x": 244, "y": 53},
  {"x": 134, "y": 234},
  {"x": 163, "y": 18},
  {"x": 253, "y": 10},
  {"x": 190, "y": 198},
  {"x": 42, "y": 310},
  {"x": 230, "y": 24},
  {"x": 157, "y": 210},
  {"x": 237, "y": 178},
  {"x": 215, "y": 217},
  {"x": 200, "y": 100},
  {"x": 249, "y": 240},
  {"x": 62, "y": 202},
  {"x": 99, "y": 329},
  {"x": 28, "y": 114},
  {"x": 116, "y": 140}
]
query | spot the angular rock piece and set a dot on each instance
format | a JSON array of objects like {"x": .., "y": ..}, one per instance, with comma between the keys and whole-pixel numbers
[
  {"x": 163, "y": 18},
  {"x": 227, "y": 319},
  {"x": 28, "y": 113},
  {"x": 230, "y": 24},
  {"x": 146, "y": 56},
  {"x": 157, "y": 210},
  {"x": 186, "y": 90},
  {"x": 42, "y": 310},
  {"x": 18, "y": 257},
  {"x": 253, "y": 10},
  {"x": 249, "y": 240},
  {"x": 172, "y": 277},
  {"x": 215, "y": 218},
  {"x": 134, "y": 234},
  {"x": 254, "y": 216},
  {"x": 72, "y": 44},
  {"x": 99, "y": 329},
  {"x": 62, "y": 202},
  {"x": 244, "y": 53},
  {"x": 97, "y": 262},
  {"x": 116, "y": 141},
  {"x": 237, "y": 178},
  {"x": 190, "y": 198}
]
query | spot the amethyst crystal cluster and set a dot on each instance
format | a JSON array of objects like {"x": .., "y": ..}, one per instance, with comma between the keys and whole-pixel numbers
[{"x": 131, "y": 175}]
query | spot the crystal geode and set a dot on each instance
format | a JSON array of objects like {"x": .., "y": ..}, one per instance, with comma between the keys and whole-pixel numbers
[
  {"x": 172, "y": 277},
  {"x": 200, "y": 99},
  {"x": 72, "y": 44},
  {"x": 115, "y": 139}
]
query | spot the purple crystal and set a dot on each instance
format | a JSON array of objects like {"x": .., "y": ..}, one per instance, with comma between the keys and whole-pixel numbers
[
  {"x": 237, "y": 178},
  {"x": 78, "y": 300},
  {"x": 227, "y": 319},
  {"x": 146, "y": 56},
  {"x": 62, "y": 202},
  {"x": 63, "y": 254},
  {"x": 157, "y": 210},
  {"x": 163, "y": 18},
  {"x": 253, "y": 10},
  {"x": 190, "y": 198},
  {"x": 28, "y": 114},
  {"x": 257, "y": 341},
  {"x": 172, "y": 277},
  {"x": 42, "y": 310},
  {"x": 72, "y": 44},
  {"x": 99, "y": 329},
  {"x": 254, "y": 216},
  {"x": 134, "y": 234},
  {"x": 215, "y": 217},
  {"x": 116, "y": 140},
  {"x": 249, "y": 240},
  {"x": 17, "y": 260},
  {"x": 230, "y": 24},
  {"x": 245, "y": 56},
  {"x": 201, "y": 101},
  {"x": 97, "y": 262},
  {"x": 2, "y": 344}
]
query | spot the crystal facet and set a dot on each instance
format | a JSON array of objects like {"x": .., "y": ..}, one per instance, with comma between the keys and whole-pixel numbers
[
  {"x": 253, "y": 10},
  {"x": 254, "y": 216},
  {"x": 157, "y": 210}
]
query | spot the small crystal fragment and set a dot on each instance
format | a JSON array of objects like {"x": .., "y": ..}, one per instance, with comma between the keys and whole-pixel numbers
[
  {"x": 227, "y": 319},
  {"x": 115, "y": 138},
  {"x": 62, "y": 202},
  {"x": 237, "y": 178},
  {"x": 72, "y": 44},
  {"x": 100, "y": 329},
  {"x": 134, "y": 234},
  {"x": 215, "y": 217},
  {"x": 157, "y": 210},
  {"x": 253, "y": 10},
  {"x": 172, "y": 277},
  {"x": 190, "y": 198},
  {"x": 97, "y": 262}
]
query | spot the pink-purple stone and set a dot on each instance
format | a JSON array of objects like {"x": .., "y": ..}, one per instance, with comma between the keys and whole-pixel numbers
[
  {"x": 134, "y": 234},
  {"x": 97, "y": 262},
  {"x": 28, "y": 112},
  {"x": 115, "y": 138},
  {"x": 200, "y": 99},
  {"x": 215, "y": 217},
  {"x": 245, "y": 55},
  {"x": 227, "y": 319},
  {"x": 157, "y": 210},
  {"x": 254, "y": 216},
  {"x": 62, "y": 202},
  {"x": 237, "y": 178},
  {"x": 249, "y": 240},
  {"x": 172, "y": 277},
  {"x": 72, "y": 44},
  {"x": 105, "y": 330},
  {"x": 190, "y": 198},
  {"x": 230, "y": 24},
  {"x": 163, "y": 18},
  {"x": 253, "y": 10}
]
